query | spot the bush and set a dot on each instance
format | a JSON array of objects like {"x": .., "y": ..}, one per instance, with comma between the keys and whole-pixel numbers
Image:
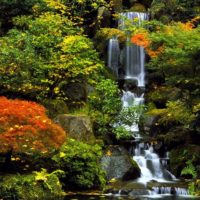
[
  {"x": 105, "y": 105},
  {"x": 39, "y": 185},
  {"x": 25, "y": 128},
  {"x": 80, "y": 162}
]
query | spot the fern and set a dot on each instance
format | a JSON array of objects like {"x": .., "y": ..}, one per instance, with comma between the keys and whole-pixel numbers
[{"x": 189, "y": 169}]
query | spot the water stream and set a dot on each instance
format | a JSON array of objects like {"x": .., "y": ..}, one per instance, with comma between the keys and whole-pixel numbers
[{"x": 153, "y": 168}]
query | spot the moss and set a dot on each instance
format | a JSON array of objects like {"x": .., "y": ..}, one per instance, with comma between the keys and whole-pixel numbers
[
  {"x": 29, "y": 187},
  {"x": 55, "y": 107},
  {"x": 137, "y": 7},
  {"x": 160, "y": 95},
  {"x": 104, "y": 34}
]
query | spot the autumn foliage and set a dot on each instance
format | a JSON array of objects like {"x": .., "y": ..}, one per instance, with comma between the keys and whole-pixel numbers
[
  {"x": 24, "y": 127},
  {"x": 140, "y": 39}
]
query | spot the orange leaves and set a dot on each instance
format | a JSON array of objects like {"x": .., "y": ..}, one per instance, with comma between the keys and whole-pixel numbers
[
  {"x": 24, "y": 127},
  {"x": 154, "y": 53},
  {"x": 140, "y": 39}
]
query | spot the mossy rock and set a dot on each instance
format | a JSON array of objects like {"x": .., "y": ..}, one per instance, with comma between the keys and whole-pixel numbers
[
  {"x": 117, "y": 163},
  {"x": 55, "y": 107},
  {"x": 25, "y": 187},
  {"x": 79, "y": 127},
  {"x": 160, "y": 95},
  {"x": 104, "y": 34},
  {"x": 117, "y": 5},
  {"x": 138, "y": 7}
]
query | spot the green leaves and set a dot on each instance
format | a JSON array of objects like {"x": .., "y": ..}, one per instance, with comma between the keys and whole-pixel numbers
[
  {"x": 43, "y": 54},
  {"x": 80, "y": 161}
]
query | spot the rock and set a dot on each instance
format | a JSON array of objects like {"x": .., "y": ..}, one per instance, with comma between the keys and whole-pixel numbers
[
  {"x": 137, "y": 7},
  {"x": 138, "y": 192},
  {"x": 76, "y": 92},
  {"x": 77, "y": 127},
  {"x": 148, "y": 123},
  {"x": 55, "y": 107},
  {"x": 117, "y": 5},
  {"x": 104, "y": 18},
  {"x": 118, "y": 164}
]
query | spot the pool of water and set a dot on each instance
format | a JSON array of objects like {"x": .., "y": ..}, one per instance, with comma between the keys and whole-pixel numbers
[{"x": 105, "y": 197}]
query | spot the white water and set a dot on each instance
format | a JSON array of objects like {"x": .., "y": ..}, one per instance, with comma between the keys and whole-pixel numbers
[
  {"x": 170, "y": 190},
  {"x": 113, "y": 55},
  {"x": 131, "y": 99},
  {"x": 132, "y": 59},
  {"x": 133, "y": 56},
  {"x": 150, "y": 164}
]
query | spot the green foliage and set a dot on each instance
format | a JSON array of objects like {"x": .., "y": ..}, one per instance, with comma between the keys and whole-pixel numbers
[
  {"x": 121, "y": 133},
  {"x": 127, "y": 117},
  {"x": 131, "y": 115},
  {"x": 39, "y": 185},
  {"x": 108, "y": 33},
  {"x": 185, "y": 157},
  {"x": 55, "y": 53},
  {"x": 178, "y": 10},
  {"x": 80, "y": 162},
  {"x": 104, "y": 104},
  {"x": 189, "y": 169},
  {"x": 194, "y": 187},
  {"x": 176, "y": 111},
  {"x": 176, "y": 47}
]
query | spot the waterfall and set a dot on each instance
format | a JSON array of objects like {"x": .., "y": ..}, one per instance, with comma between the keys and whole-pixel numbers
[
  {"x": 128, "y": 64},
  {"x": 150, "y": 164},
  {"x": 133, "y": 56},
  {"x": 113, "y": 55},
  {"x": 133, "y": 60}
]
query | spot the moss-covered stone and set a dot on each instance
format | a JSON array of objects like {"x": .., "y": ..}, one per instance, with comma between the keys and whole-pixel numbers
[
  {"x": 33, "y": 186},
  {"x": 117, "y": 5},
  {"x": 79, "y": 127},
  {"x": 55, "y": 107},
  {"x": 118, "y": 164},
  {"x": 160, "y": 95},
  {"x": 138, "y": 7}
]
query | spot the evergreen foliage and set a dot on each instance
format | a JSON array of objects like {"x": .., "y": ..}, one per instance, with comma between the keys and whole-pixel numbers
[{"x": 80, "y": 162}]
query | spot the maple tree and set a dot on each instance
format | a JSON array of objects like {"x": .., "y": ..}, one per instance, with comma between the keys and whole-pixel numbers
[{"x": 25, "y": 128}]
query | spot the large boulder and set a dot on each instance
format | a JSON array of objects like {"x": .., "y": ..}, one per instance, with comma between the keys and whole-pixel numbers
[
  {"x": 117, "y": 163},
  {"x": 78, "y": 127}
]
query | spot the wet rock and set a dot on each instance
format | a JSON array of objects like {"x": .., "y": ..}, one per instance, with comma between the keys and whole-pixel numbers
[
  {"x": 77, "y": 127},
  {"x": 137, "y": 192},
  {"x": 118, "y": 164}
]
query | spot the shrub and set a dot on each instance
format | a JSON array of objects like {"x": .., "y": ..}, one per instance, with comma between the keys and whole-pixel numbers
[
  {"x": 80, "y": 162},
  {"x": 104, "y": 104},
  {"x": 25, "y": 128},
  {"x": 39, "y": 185}
]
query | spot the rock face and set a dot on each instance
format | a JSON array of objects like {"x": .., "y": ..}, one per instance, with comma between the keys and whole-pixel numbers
[
  {"x": 118, "y": 164},
  {"x": 77, "y": 127}
]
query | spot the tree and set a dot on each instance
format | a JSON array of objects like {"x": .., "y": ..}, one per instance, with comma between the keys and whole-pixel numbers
[
  {"x": 25, "y": 128},
  {"x": 56, "y": 55}
]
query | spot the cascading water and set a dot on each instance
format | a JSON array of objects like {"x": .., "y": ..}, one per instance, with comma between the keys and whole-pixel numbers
[
  {"x": 133, "y": 56},
  {"x": 113, "y": 55},
  {"x": 143, "y": 153},
  {"x": 132, "y": 60}
]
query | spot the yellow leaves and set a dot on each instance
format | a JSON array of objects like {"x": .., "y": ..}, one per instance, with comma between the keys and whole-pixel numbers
[
  {"x": 56, "y": 90},
  {"x": 62, "y": 154},
  {"x": 74, "y": 43},
  {"x": 108, "y": 153},
  {"x": 56, "y": 4}
]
